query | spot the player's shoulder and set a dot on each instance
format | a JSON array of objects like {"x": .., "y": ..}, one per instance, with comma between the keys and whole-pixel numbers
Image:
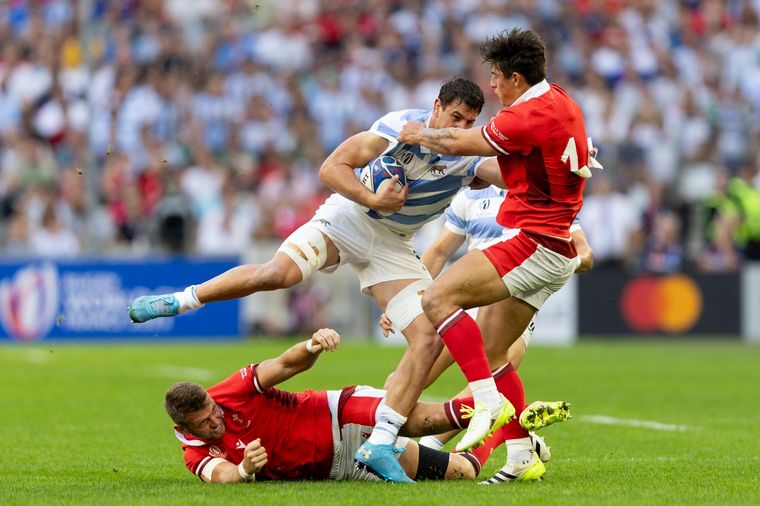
[
  {"x": 396, "y": 119},
  {"x": 467, "y": 196}
]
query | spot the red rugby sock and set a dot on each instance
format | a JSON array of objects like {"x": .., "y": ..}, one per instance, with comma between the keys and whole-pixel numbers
[{"x": 465, "y": 343}]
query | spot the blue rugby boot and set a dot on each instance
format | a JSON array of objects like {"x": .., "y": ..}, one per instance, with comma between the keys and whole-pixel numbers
[
  {"x": 148, "y": 307},
  {"x": 382, "y": 461}
]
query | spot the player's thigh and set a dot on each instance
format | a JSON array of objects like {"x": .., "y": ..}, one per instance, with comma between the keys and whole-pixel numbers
[
  {"x": 471, "y": 281},
  {"x": 502, "y": 323},
  {"x": 391, "y": 264}
]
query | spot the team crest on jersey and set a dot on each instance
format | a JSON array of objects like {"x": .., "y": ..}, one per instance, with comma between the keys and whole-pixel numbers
[
  {"x": 237, "y": 419},
  {"x": 485, "y": 204},
  {"x": 404, "y": 157},
  {"x": 437, "y": 170},
  {"x": 215, "y": 451}
]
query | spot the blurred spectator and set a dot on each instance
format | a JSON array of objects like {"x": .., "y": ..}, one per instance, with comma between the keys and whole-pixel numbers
[
  {"x": 663, "y": 253},
  {"x": 610, "y": 220},
  {"x": 238, "y": 103}
]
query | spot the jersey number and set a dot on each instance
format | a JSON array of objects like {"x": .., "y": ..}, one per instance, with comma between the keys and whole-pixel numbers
[{"x": 571, "y": 155}]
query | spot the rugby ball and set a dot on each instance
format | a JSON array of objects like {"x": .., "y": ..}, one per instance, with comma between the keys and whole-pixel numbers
[{"x": 378, "y": 174}]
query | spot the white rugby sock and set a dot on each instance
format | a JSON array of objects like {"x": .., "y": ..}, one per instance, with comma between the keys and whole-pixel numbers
[
  {"x": 387, "y": 426},
  {"x": 484, "y": 391},
  {"x": 431, "y": 442},
  {"x": 519, "y": 451},
  {"x": 187, "y": 299}
]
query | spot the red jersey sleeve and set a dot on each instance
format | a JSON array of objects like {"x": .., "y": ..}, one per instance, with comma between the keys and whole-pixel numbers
[
  {"x": 509, "y": 132},
  {"x": 241, "y": 385}
]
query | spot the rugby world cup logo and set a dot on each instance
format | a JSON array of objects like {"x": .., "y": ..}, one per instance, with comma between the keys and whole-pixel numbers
[{"x": 29, "y": 301}]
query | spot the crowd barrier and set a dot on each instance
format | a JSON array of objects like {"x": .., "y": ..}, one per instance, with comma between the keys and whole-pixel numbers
[{"x": 69, "y": 300}]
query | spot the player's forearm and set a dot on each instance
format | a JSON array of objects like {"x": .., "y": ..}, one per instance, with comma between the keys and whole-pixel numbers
[
  {"x": 433, "y": 261},
  {"x": 226, "y": 472},
  {"x": 298, "y": 358},
  {"x": 341, "y": 179},
  {"x": 445, "y": 141}
]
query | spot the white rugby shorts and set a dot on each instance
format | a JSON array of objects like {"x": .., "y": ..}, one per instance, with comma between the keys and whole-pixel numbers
[{"x": 376, "y": 253}]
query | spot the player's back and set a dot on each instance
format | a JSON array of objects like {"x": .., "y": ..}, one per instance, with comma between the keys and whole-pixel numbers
[{"x": 543, "y": 139}]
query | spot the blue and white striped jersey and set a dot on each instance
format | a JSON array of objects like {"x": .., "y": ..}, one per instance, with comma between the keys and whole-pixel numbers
[
  {"x": 433, "y": 179},
  {"x": 473, "y": 215}
]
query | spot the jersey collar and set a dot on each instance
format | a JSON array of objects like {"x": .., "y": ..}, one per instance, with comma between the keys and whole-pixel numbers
[
  {"x": 534, "y": 91},
  {"x": 188, "y": 442}
]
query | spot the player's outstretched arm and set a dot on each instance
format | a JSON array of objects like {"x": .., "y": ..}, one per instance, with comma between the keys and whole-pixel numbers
[
  {"x": 337, "y": 172},
  {"x": 297, "y": 359},
  {"x": 447, "y": 141}
]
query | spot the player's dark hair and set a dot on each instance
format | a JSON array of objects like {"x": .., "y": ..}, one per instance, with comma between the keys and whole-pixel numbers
[
  {"x": 461, "y": 89},
  {"x": 517, "y": 50},
  {"x": 183, "y": 398}
]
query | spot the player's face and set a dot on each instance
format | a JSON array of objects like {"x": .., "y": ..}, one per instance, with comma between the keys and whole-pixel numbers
[
  {"x": 207, "y": 422},
  {"x": 456, "y": 114},
  {"x": 505, "y": 87}
]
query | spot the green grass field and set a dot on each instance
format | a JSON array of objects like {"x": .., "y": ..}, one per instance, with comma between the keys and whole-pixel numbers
[{"x": 84, "y": 424}]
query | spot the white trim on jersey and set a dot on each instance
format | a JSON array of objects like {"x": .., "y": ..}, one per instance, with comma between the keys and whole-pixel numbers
[{"x": 188, "y": 442}]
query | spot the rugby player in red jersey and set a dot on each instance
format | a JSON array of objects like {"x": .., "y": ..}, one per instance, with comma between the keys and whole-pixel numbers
[
  {"x": 244, "y": 429},
  {"x": 540, "y": 142}
]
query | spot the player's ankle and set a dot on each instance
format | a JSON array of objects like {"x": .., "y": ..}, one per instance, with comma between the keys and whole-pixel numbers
[{"x": 188, "y": 299}]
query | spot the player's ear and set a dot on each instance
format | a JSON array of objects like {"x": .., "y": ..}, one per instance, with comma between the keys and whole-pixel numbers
[
  {"x": 181, "y": 429},
  {"x": 437, "y": 107}
]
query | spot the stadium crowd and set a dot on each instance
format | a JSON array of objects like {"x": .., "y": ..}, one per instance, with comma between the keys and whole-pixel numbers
[{"x": 199, "y": 125}]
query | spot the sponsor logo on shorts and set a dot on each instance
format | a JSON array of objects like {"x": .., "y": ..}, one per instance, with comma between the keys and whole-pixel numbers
[{"x": 322, "y": 221}]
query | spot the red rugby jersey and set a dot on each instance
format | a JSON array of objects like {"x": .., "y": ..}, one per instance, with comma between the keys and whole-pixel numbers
[
  {"x": 295, "y": 429},
  {"x": 540, "y": 138}
]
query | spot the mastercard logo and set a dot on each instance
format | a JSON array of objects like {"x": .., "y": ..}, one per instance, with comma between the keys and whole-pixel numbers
[{"x": 671, "y": 304}]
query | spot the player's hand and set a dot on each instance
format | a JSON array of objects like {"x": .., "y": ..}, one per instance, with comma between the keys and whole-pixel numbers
[
  {"x": 254, "y": 456},
  {"x": 478, "y": 184},
  {"x": 325, "y": 340},
  {"x": 386, "y": 325},
  {"x": 389, "y": 198},
  {"x": 411, "y": 133}
]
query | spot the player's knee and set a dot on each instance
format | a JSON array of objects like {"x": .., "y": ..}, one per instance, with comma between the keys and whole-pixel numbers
[
  {"x": 279, "y": 273},
  {"x": 427, "y": 342},
  {"x": 429, "y": 301}
]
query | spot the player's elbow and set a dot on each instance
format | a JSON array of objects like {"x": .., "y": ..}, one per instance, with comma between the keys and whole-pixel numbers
[{"x": 325, "y": 172}]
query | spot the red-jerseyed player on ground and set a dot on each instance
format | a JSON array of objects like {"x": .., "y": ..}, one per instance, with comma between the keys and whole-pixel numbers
[
  {"x": 540, "y": 142},
  {"x": 244, "y": 429}
]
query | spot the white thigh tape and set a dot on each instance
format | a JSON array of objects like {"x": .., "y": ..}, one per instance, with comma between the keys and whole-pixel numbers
[
  {"x": 406, "y": 305},
  {"x": 307, "y": 248}
]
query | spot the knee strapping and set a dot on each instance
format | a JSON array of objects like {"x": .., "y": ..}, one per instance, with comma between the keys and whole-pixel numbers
[
  {"x": 307, "y": 248},
  {"x": 406, "y": 305}
]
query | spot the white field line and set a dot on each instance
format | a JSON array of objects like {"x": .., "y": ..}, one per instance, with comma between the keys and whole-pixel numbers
[
  {"x": 188, "y": 373},
  {"x": 37, "y": 356},
  {"x": 632, "y": 422}
]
